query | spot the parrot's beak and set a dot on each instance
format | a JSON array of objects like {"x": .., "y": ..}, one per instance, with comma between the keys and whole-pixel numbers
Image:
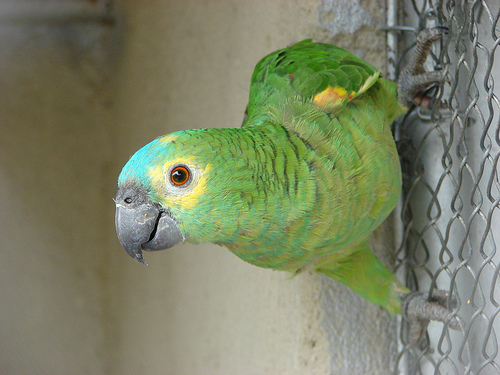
[{"x": 143, "y": 225}]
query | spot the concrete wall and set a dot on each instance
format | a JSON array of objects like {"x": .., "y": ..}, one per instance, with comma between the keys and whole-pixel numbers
[
  {"x": 78, "y": 98},
  {"x": 56, "y": 122}
]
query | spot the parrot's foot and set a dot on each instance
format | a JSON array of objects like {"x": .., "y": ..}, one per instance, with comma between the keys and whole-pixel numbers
[
  {"x": 419, "y": 309},
  {"x": 414, "y": 80}
]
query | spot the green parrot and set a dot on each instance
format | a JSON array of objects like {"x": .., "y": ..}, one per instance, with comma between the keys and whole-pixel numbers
[{"x": 301, "y": 185}]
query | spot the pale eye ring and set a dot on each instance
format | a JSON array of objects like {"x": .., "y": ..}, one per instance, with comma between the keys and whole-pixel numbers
[{"x": 180, "y": 175}]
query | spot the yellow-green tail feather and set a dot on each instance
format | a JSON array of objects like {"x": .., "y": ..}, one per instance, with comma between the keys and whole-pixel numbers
[{"x": 362, "y": 271}]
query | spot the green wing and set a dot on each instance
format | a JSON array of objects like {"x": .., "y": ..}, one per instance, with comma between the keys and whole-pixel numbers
[{"x": 322, "y": 73}]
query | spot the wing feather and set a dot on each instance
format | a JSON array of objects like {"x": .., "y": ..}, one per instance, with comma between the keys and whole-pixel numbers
[{"x": 323, "y": 74}]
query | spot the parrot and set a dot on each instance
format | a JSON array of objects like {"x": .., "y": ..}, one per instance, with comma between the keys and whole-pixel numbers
[{"x": 300, "y": 186}]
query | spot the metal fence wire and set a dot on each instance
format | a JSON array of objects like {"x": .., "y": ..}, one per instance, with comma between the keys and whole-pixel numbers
[{"x": 450, "y": 209}]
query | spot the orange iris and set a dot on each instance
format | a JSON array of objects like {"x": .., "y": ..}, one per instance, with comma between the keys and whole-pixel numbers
[{"x": 179, "y": 175}]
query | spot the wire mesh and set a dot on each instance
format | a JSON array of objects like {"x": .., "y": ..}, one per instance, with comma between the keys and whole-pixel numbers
[{"x": 451, "y": 203}]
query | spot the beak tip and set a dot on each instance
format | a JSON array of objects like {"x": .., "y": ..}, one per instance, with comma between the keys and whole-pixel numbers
[
  {"x": 136, "y": 255},
  {"x": 141, "y": 260}
]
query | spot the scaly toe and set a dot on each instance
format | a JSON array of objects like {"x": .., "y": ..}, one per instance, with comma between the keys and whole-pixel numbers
[
  {"x": 419, "y": 309},
  {"x": 414, "y": 79}
]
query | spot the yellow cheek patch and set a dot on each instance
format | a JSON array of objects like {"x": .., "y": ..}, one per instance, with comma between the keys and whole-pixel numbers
[
  {"x": 332, "y": 97},
  {"x": 184, "y": 196},
  {"x": 156, "y": 176}
]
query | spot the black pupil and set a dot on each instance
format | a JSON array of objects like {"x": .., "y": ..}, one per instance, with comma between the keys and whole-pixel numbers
[{"x": 179, "y": 176}]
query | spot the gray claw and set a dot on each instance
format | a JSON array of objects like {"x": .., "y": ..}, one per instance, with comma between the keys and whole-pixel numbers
[
  {"x": 419, "y": 309},
  {"x": 414, "y": 79}
]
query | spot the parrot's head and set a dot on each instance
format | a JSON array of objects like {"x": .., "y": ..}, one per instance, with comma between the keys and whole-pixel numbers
[{"x": 177, "y": 187}]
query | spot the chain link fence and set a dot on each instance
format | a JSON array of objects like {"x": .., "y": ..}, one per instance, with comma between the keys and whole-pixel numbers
[{"x": 450, "y": 209}]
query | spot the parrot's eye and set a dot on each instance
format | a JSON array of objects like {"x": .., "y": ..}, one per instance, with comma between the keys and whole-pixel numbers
[{"x": 179, "y": 175}]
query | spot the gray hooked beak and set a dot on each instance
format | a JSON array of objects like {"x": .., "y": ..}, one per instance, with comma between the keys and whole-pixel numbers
[{"x": 143, "y": 225}]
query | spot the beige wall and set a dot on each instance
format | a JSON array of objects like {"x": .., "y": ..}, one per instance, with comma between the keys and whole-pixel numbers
[
  {"x": 56, "y": 216},
  {"x": 77, "y": 101}
]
